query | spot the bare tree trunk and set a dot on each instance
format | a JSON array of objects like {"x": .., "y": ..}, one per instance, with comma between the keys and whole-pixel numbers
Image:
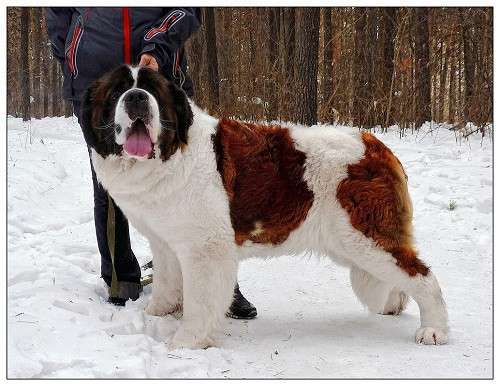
[
  {"x": 442, "y": 80},
  {"x": 452, "y": 96},
  {"x": 53, "y": 88},
  {"x": 228, "y": 55},
  {"x": 468, "y": 64},
  {"x": 194, "y": 46},
  {"x": 45, "y": 74},
  {"x": 287, "y": 60},
  {"x": 306, "y": 68},
  {"x": 452, "y": 100},
  {"x": 484, "y": 84},
  {"x": 24, "y": 79},
  {"x": 422, "y": 68},
  {"x": 389, "y": 36},
  {"x": 360, "y": 97},
  {"x": 59, "y": 99},
  {"x": 272, "y": 65},
  {"x": 488, "y": 59},
  {"x": 211, "y": 57},
  {"x": 36, "y": 60},
  {"x": 370, "y": 45},
  {"x": 13, "y": 55},
  {"x": 326, "y": 76},
  {"x": 342, "y": 54}
]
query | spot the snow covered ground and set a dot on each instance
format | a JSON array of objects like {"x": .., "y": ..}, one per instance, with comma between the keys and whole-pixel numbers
[{"x": 310, "y": 324}]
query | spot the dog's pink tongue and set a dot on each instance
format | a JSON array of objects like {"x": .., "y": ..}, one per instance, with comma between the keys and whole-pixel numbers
[{"x": 138, "y": 144}]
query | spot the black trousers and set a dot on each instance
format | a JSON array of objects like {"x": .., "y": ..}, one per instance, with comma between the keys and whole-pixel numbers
[{"x": 125, "y": 263}]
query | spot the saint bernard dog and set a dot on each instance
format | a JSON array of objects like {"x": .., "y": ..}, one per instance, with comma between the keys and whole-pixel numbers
[{"x": 210, "y": 192}]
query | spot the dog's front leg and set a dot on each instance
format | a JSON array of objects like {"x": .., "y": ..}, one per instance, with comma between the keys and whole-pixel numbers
[
  {"x": 167, "y": 280},
  {"x": 208, "y": 275}
]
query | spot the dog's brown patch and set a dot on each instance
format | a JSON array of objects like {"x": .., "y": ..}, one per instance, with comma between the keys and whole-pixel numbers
[
  {"x": 262, "y": 173},
  {"x": 376, "y": 197}
]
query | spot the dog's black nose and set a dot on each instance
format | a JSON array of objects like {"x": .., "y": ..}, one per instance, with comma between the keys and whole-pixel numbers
[
  {"x": 136, "y": 104},
  {"x": 136, "y": 96}
]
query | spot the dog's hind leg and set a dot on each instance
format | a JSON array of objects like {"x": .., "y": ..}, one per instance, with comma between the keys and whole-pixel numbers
[
  {"x": 379, "y": 296},
  {"x": 209, "y": 276},
  {"x": 167, "y": 280},
  {"x": 379, "y": 235},
  {"x": 421, "y": 285}
]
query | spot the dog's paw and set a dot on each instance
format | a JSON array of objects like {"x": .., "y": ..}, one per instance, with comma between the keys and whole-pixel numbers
[
  {"x": 431, "y": 335},
  {"x": 156, "y": 308},
  {"x": 184, "y": 338},
  {"x": 396, "y": 303}
]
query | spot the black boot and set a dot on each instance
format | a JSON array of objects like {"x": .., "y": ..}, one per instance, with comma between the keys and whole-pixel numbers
[
  {"x": 130, "y": 290},
  {"x": 125, "y": 290},
  {"x": 241, "y": 308}
]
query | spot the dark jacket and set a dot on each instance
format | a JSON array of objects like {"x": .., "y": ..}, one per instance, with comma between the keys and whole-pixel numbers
[{"x": 91, "y": 41}]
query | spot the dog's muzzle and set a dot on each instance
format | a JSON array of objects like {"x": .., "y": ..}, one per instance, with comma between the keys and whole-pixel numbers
[
  {"x": 136, "y": 104},
  {"x": 138, "y": 141}
]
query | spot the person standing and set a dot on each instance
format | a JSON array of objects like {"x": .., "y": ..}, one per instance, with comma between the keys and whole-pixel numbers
[{"x": 88, "y": 42}]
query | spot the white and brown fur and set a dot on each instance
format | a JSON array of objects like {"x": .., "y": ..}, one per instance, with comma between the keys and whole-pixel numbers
[{"x": 203, "y": 209}]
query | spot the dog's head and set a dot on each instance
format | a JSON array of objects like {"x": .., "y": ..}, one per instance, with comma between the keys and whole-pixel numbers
[{"x": 132, "y": 110}]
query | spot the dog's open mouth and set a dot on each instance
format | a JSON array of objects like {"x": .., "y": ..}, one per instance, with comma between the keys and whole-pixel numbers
[{"x": 138, "y": 141}]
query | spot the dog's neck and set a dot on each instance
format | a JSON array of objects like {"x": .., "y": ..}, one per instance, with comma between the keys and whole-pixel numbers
[{"x": 122, "y": 175}]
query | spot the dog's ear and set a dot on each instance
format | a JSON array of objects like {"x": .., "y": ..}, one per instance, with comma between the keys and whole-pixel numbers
[
  {"x": 87, "y": 116},
  {"x": 182, "y": 111}
]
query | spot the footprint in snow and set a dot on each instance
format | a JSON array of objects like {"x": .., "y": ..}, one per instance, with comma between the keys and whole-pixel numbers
[
  {"x": 26, "y": 276},
  {"x": 72, "y": 307}
]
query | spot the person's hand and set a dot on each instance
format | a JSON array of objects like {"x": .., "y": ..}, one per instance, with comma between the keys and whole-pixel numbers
[{"x": 149, "y": 61}]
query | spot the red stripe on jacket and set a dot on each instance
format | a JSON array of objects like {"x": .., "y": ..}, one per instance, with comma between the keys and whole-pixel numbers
[
  {"x": 165, "y": 25},
  {"x": 126, "y": 35},
  {"x": 74, "y": 42}
]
